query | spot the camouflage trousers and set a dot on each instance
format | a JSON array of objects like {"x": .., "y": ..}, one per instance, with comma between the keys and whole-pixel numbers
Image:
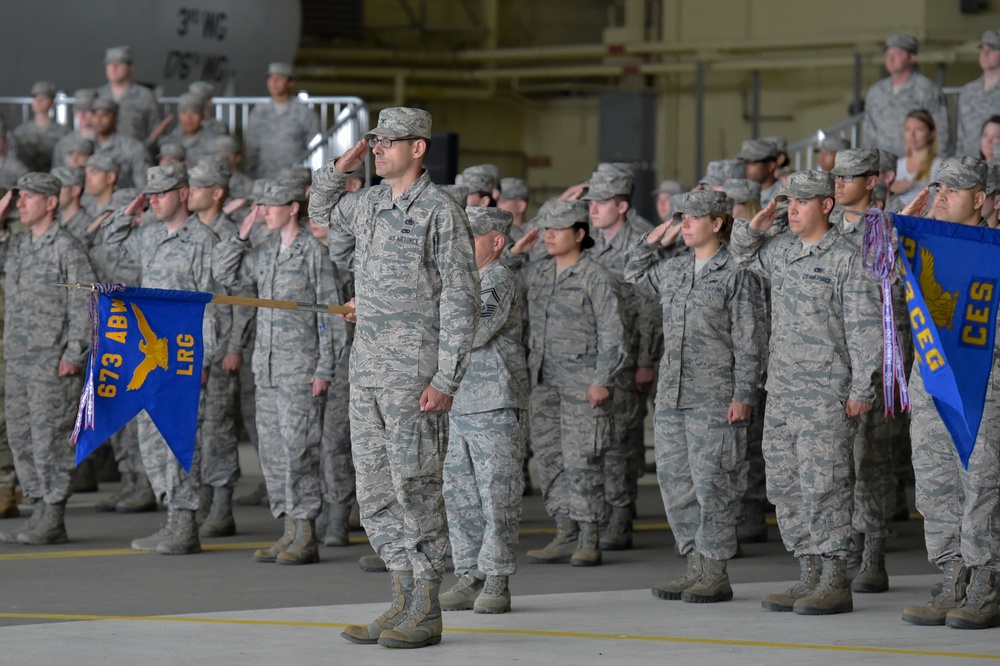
[
  {"x": 247, "y": 400},
  {"x": 8, "y": 478},
  {"x": 172, "y": 485},
  {"x": 41, "y": 411},
  {"x": 220, "y": 464},
  {"x": 620, "y": 466},
  {"x": 398, "y": 457},
  {"x": 569, "y": 440},
  {"x": 289, "y": 429},
  {"x": 875, "y": 482},
  {"x": 698, "y": 457},
  {"x": 335, "y": 448},
  {"x": 752, "y": 481},
  {"x": 810, "y": 472},
  {"x": 125, "y": 444},
  {"x": 961, "y": 507},
  {"x": 483, "y": 484}
]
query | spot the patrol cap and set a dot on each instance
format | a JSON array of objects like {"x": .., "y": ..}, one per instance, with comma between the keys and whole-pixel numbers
[
  {"x": 226, "y": 143},
  {"x": 757, "y": 150},
  {"x": 299, "y": 176},
  {"x": 513, "y": 188},
  {"x": 210, "y": 173},
  {"x": 83, "y": 99},
  {"x": 670, "y": 187},
  {"x": 832, "y": 144},
  {"x": 905, "y": 42},
  {"x": 992, "y": 177},
  {"x": 400, "y": 121},
  {"x": 808, "y": 185},
  {"x": 719, "y": 171},
  {"x": 608, "y": 184},
  {"x": 881, "y": 192},
  {"x": 628, "y": 169},
  {"x": 460, "y": 193},
  {"x": 564, "y": 214},
  {"x": 257, "y": 191},
  {"x": 780, "y": 143},
  {"x": 855, "y": 162},
  {"x": 70, "y": 176},
  {"x": 121, "y": 54},
  {"x": 887, "y": 161},
  {"x": 991, "y": 40},
  {"x": 104, "y": 104},
  {"x": 741, "y": 190},
  {"x": 44, "y": 88},
  {"x": 203, "y": 89},
  {"x": 483, "y": 220},
  {"x": 160, "y": 179},
  {"x": 103, "y": 162},
  {"x": 174, "y": 150},
  {"x": 703, "y": 202},
  {"x": 281, "y": 69},
  {"x": 961, "y": 173},
  {"x": 191, "y": 102},
  {"x": 282, "y": 192},
  {"x": 494, "y": 171},
  {"x": 80, "y": 145},
  {"x": 39, "y": 183},
  {"x": 479, "y": 178}
]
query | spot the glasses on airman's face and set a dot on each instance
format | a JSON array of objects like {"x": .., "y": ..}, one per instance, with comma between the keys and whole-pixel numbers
[
  {"x": 846, "y": 179},
  {"x": 387, "y": 143}
]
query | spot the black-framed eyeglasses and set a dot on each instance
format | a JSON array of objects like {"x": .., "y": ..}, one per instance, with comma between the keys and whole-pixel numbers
[
  {"x": 387, "y": 143},
  {"x": 846, "y": 179}
]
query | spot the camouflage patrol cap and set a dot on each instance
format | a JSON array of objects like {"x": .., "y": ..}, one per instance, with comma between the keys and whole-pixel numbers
[
  {"x": 44, "y": 88},
  {"x": 190, "y": 102},
  {"x": 887, "y": 161},
  {"x": 70, "y": 176},
  {"x": 564, "y": 214},
  {"x": 79, "y": 145},
  {"x": 257, "y": 191},
  {"x": 719, "y": 171},
  {"x": 174, "y": 150},
  {"x": 494, "y": 171},
  {"x": 628, "y": 169},
  {"x": 203, "y": 89},
  {"x": 83, "y": 99},
  {"x": 780, "y": 143},
  {"x": 104, "y": 104},
  {"x": 298, "y": 176},
  {"x": 991, "y": 40},
  {"x": 832, "y": 144},
  {"x": 741, "y": 190},
  {"x": 808, "y": 185},
  {"x": 161, "y": 179},
  {"x": 961, "y": 173},
  {"x": 855, "y": 162},
  {"x": 226, "y": 143},
  {"x": 483, "y": 220},
  {"x": 39, "y": 183},
  {"x": 210, "y": 173},
  {"x": 401, "y": 121},
  {"x": 460, "y": 193},
  {"x": 993, "y": 177},
  {"x": 670, "y": 187},
  {"x": 757, "y": 150},
  {"x": 281, "y": 193},
  {"x": 881, "y": 192},
  {"x": 905, "y": 42},
  {"x": 479, "y": 178},
  {"x": 281, "y": 69},
  {"x": 703, "y": 202},
  {"x": 103, "y": 162},
  {"x": 120, "y": 54},
  {"x": 513, "y": 188},
  {"x": 607, "y": 184}
]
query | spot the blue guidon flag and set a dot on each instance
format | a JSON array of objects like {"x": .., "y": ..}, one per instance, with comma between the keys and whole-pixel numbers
[
  {"x": 951, "y": 275},
  {"x": 145, "y": 353}
]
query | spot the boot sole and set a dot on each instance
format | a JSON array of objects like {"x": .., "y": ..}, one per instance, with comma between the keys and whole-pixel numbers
[
  {"x": 584, "y": 563},
  {"x": 923, "y": 621},
  {"x": 265, "y": 560},
  {"x": 406, "y": 645},
  {"x": 217, "y": 533},
  {"x": 868, "y": 588},
  {"x": 812, "y": 610},
  {"x": 463, "y": 607},
  {"x": 491, "y": 611},
  {"x": 700, "y": 599},
  {"x": 667, "y": 596},
  {"x": 614, "y": 546},
  {"x": 166, "y": 551},
  {"x": 557, "y": 560},
  {"x": 775, "y": 607},
  {"x": 962, "y": 623},
  {"x": 358, "y": 641},
  {"x": 311, "y": 560},
  {"x": 26, "y": 541}
]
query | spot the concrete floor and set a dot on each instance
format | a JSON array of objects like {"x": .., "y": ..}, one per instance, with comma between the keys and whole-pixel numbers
[{"x": 94, "y": 601}]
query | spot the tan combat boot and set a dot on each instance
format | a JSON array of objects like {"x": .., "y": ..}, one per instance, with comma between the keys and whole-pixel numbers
[
  {"x": 304, "y": 548},
  {"x": 270, "y": 554},
  {"x": 371, "y": 564},
  {"x": 712, "y": 586},
  {"x": 978, "y": 608},
  {"x": 183, "y": 538},
  {"x": 50, "y": 529},
  {"x": 421, "y": 626},
  {"x": 495, "y": 597},
  {"x": 562, "y": 546},
  {"x": 335, "y": 530},
  {"x": 463, "y": 594},
  {"x": 832, "y": 595},
  {"x": 219, "y": 522},
  {"x": 935, "y": 611},
  {"x": 8, "y": 504},
  {"x": 618, "y": 536},
  {"x": 872, "y": 577},
  {"x": 402, "y": 594},
  {"x": 783, "y": 602},
  {"x": 149, "y": 544},
  {"x": 673, "y": 589},
  {"x": 587, "y": 553}
]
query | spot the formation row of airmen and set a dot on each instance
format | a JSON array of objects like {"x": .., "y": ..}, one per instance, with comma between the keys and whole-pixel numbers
[{"x": 443, "y": 394}]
